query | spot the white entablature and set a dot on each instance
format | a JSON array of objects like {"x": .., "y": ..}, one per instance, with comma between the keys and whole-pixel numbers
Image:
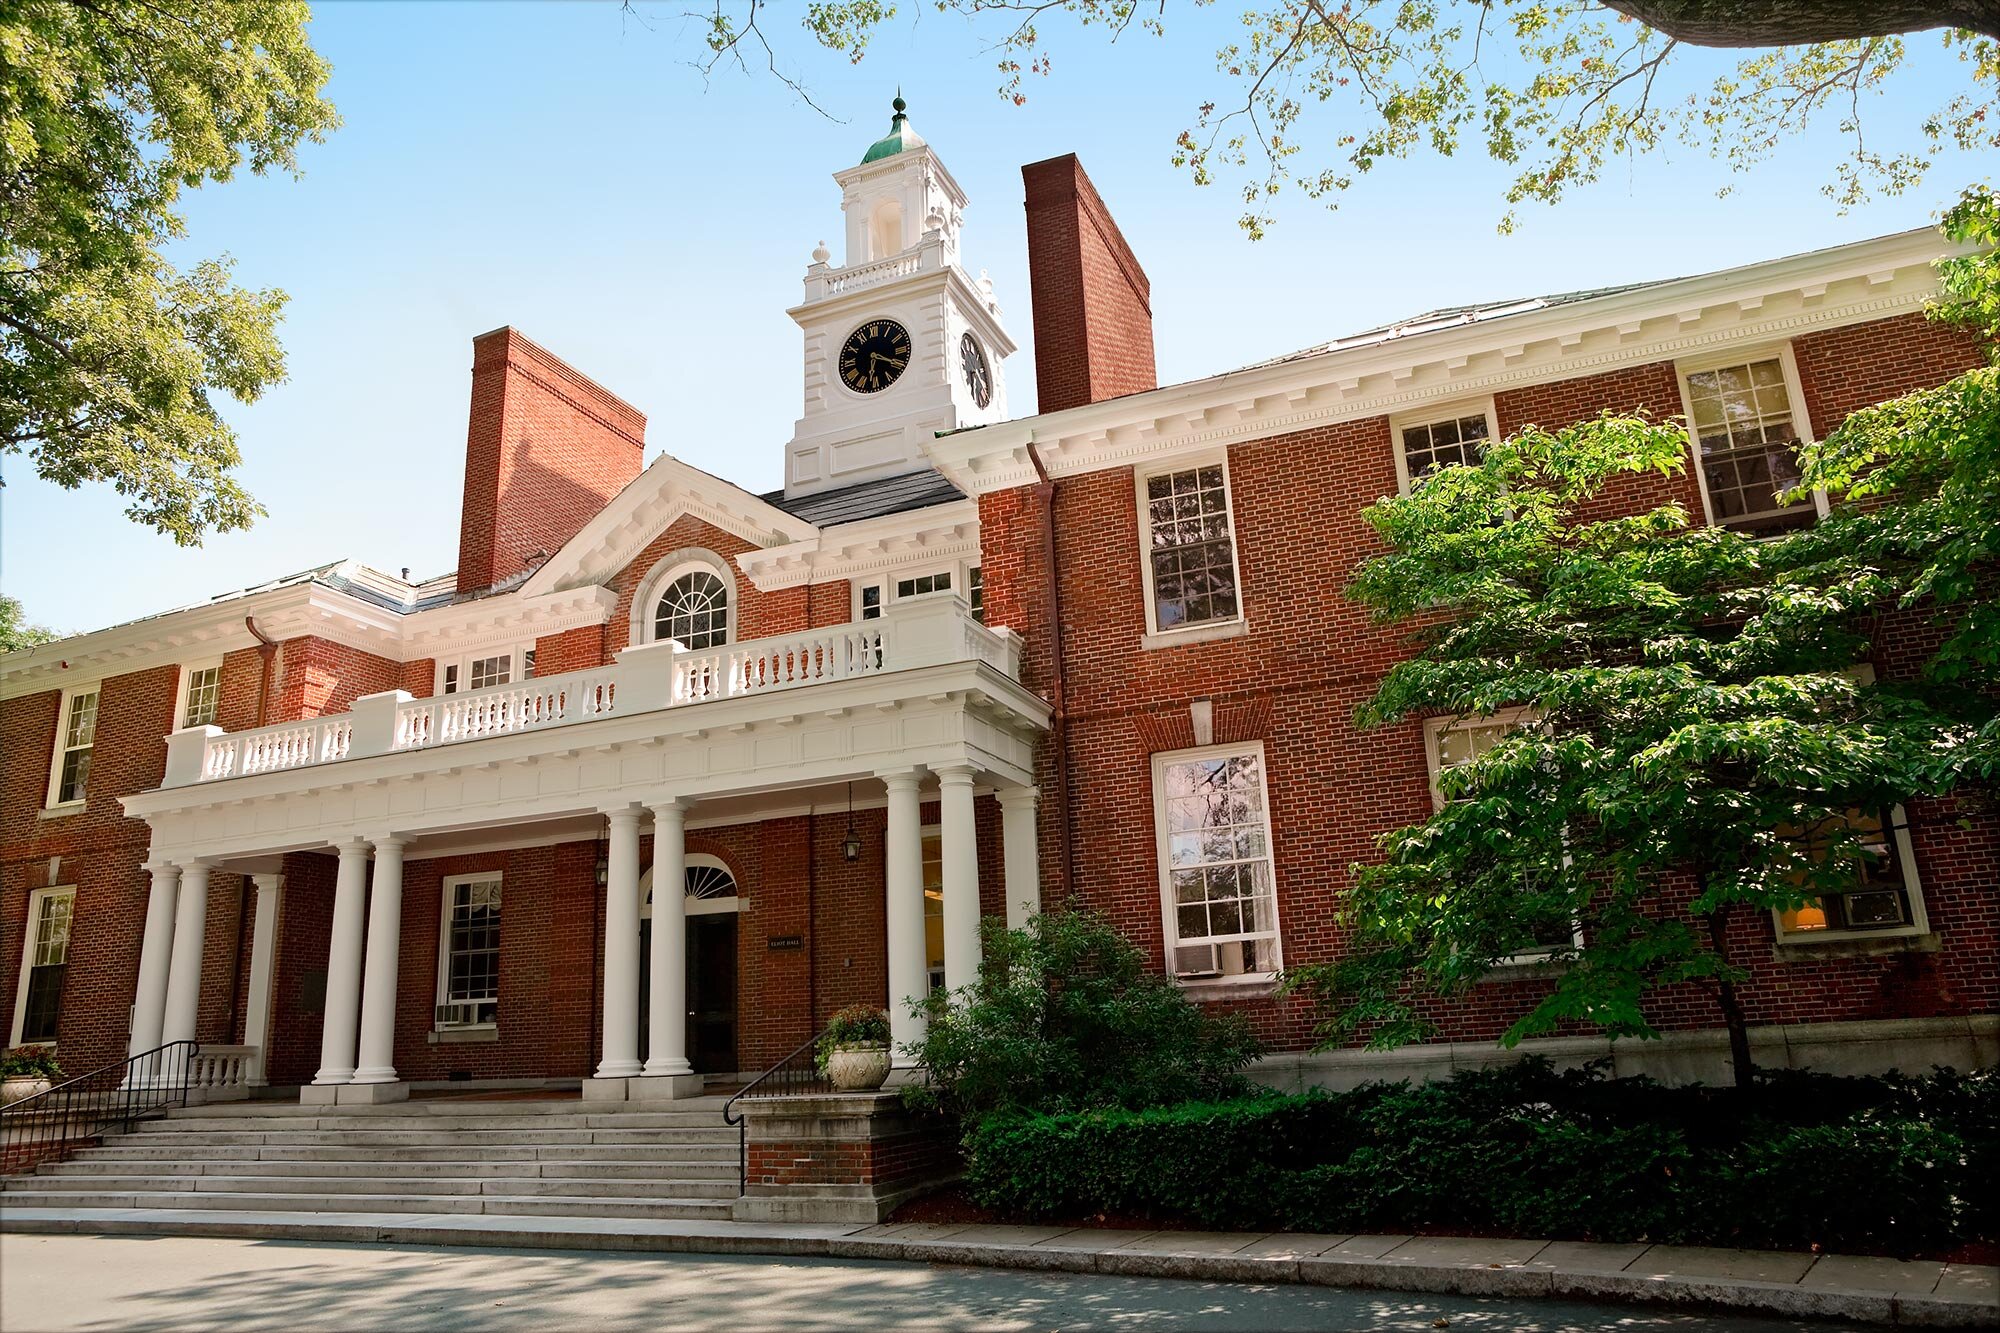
[
  {"x": 1396, "y": 370},
  {"x": 901, "y": 277}
]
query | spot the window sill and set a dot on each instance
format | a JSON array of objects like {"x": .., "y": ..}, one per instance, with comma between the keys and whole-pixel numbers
[
  {"x": 1523, "y": 965},
  {"x": 1229, "y": 988},
  {"x": 1173, "y": 638},
  {"x": 62, "y": 811},
  {"x": 1855, "y": 944},
  {"x": 469, "y": 1035}
]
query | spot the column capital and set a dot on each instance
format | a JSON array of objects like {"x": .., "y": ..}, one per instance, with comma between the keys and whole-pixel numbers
[
  {"x": 159, "y": 865},
  {"x": 268, "y": 883},
  {"x": 353, "y": 845},
  {"x": 670, "y": 807},
  {"x": 195, "y": 866},
  {"x": 955, "y": 775},
  {"x": 622, "y": 814},
  {"x": 388, "y": 842},
  {"x": 894, "y": 778},
  {"x": 1017, "y": 796}
]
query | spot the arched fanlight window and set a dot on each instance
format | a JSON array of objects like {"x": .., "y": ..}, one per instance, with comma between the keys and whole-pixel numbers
[
  {"x": 705, "y": 881},
  {"x": 693, "y": 610}
]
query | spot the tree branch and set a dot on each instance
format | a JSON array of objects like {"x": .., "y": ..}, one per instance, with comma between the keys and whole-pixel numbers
[{"x": 1732, "y": 23}]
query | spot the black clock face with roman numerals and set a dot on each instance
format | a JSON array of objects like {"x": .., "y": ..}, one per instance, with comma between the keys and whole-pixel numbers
[
  {"x": 978, "y": 374},
  {"x": 875, "y": 356}
]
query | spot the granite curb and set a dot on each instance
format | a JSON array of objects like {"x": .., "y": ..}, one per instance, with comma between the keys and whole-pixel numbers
[{"x": 1123, "y": 1254}]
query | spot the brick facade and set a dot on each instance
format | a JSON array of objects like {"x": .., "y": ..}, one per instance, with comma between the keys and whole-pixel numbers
[{"x": 1092, "y": 302}]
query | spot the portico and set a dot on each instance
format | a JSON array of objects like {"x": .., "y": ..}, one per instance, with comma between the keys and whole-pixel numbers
[{"x": 923, "y": 705}]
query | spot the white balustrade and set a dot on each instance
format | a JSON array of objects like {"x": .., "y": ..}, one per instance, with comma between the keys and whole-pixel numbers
[
  {"x": 221, "y": 1073},
  {"x": 923, "y": 632}
]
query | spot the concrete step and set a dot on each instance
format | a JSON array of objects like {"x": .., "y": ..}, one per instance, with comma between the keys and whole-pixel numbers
[
  {"x": 661, "y": 1168},
  {"x": 449, "y": 1106},
  {"x": 478, "y": 1140},
  {"x": 512, "y": 1206},
  {"x": 196, "y": 1122},
  {"x": 667, "y": 1150},
  {"x": 509, "y": 1186}
]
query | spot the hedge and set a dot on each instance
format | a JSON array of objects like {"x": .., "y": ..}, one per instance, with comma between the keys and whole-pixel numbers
[{"x": 1893, "y": 1165}]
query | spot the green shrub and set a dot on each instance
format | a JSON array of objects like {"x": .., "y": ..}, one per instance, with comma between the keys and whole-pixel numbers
[
  {"x": 856, "y": 1025},
  {"x": 1891, "y": 1164},
  {"x": 1068, "y": 1015}
]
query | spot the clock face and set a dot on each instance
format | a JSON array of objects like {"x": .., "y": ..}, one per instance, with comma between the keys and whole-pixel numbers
[
  {"x": 875, "y": 356},
  {"x": 978, "y": 374}
]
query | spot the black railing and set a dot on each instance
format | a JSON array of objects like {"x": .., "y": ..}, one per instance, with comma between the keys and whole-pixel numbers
[
  {"x": 77, "y": 1113},
  {"x": 797, "y": 1075}
]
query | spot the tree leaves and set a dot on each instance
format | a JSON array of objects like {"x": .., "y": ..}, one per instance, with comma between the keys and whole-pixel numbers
[{"x": 108, "y": 353}]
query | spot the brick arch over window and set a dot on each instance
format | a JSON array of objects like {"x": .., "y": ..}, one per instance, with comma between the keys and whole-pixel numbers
[{"x": 669, "y": 570}]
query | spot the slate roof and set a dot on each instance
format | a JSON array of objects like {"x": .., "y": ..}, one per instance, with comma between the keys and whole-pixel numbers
[{"x": 868, "y": 499}]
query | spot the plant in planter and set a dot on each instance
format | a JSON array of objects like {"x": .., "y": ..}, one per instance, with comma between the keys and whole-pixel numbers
[
  {"x": 854, "y": 1053},
  {"x": 26, "y": 1071}
]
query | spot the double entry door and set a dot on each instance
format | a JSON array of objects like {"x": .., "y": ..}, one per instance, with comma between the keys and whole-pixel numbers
[{"x": 711, "y": 974}]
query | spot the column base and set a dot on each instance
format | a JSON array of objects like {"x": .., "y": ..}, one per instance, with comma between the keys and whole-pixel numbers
[
  {"x": 353, "y": 1094},
  {"x": 619, "y": 1069},
  {"x": 658, "y": 1088}
]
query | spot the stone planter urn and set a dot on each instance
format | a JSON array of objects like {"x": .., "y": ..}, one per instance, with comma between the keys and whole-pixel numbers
[
  {"x": 17, "y": 1089},
  {"x": 860, "y": 1067}
]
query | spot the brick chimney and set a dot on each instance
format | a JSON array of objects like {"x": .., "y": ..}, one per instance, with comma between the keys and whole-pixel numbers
[
  {"x": 1092, "y": 301},
  {"x": 545, "y": 448}
]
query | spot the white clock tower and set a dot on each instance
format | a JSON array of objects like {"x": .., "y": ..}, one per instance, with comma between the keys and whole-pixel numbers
[{"x": 899, "y": 342}]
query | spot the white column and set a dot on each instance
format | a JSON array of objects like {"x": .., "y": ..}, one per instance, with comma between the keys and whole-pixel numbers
[
  {"x": 385, "y": 947},
  {"x": 621, "y": 947},
  {"x": 668, "y": 1013},
  {"x": 343, "y": 966},
  {"x": 149, "y": 1002},
  {"x": 263, "y": 954},
  {"x": 183, "y": 1006},
  {"x": 904, "y": 872},
  {"x": 961, "y": 876},
  {"x": 1021, "y": 852}
]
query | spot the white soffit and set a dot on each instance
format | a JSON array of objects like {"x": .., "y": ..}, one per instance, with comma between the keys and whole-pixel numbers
[{"x": 869, "y": 546}]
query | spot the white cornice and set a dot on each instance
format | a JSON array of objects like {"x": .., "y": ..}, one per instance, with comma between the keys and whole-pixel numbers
[
  {"x": 662, "y": 493},
  {"x": 1762, "y": 302},
  {"x": 467, "y": 626},
  {"x": 853, "y": 550}
]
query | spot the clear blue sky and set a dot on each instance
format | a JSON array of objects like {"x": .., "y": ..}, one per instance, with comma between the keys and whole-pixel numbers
[{"x": 561, "y": 168}]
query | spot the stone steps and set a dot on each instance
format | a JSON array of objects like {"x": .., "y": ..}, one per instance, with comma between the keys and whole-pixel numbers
[
  {"x": 498, "y": 1205},
  {"x": 514, "y": 1159}
]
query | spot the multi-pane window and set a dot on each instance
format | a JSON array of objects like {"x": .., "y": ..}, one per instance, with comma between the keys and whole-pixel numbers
[
  {"x": 1460, "y": 743},
  {"x": 203, "y": 694},
  {"x": 1192, "y": 556},
  {"x": 484, "y": 672},
  {"x": 1221, "y": 901},
  {"x": 45, "y": 961},
  {"x": 75, "y": 739},
  {"x": 469, "y": 975},
  {"x": 1880, "y": 898},
  {"x": 1436, "y": 444},
  {"x": 871, "y": 601},
  {"x": 975, "y": 592},
  {"x": 1746, "y": 429},
  {"x": 693, "y": 611},
  {"x": 924, "y": 583}
]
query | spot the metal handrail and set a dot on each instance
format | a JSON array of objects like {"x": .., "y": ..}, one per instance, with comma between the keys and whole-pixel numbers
[
  {"x": 76, "y": 1113},
  {"x": 787, "y": 1079}
]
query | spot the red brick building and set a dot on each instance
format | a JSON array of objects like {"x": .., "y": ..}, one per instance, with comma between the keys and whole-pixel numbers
[{"x": 380, "y": 833}]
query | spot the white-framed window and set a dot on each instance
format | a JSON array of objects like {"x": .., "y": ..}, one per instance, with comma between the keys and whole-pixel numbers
[
  {"x": 76, "y": 737},
  {"x": 1189, "y": 558},
  {"x": 1452, "y": 741},
  {"x": 484, "y": 668},
  {"x": 1218, "y": 884},
  {"x": 1440, "y": 435},
  {"x": 200, "y": 694},
  {"x": 44, "y": 963},
  {"x": 873, "y": 596},
  {"x": 1746, "y": 416},
  {"x": 1886, "y": 899},
  {"x": 468, "y": 989},
  {"x": 687, "y": 596}
]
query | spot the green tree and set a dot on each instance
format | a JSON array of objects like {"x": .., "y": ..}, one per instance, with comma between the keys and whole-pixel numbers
[
  {"x": 1556, "y": 90},
  {"x": 15, "y": 631},
  {"x": 109, "y": 109},
  {"x": 1691, "y": 743}
]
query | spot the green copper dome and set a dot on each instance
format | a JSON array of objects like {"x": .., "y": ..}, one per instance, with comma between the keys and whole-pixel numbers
[{"x": 900, "y": 138}]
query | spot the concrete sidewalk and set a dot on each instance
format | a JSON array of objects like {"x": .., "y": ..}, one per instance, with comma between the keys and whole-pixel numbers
[{"x": 1854, "y": 1289}]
